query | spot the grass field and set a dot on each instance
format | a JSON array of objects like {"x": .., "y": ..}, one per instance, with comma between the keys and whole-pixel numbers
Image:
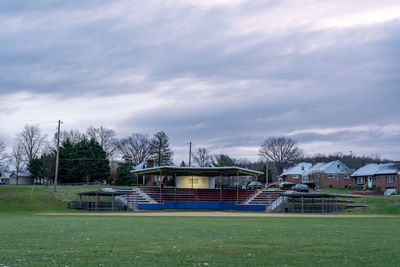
[
  {"x": 35, "y": 240},
  {"x": 29, "y": 239}
]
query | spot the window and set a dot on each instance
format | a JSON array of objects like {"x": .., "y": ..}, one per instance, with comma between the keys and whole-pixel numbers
[
  {"x": 346, "y": 176},
  {"x": 330, "y": 176},
  {"x": 378, "y": 178},
  {"x": 295, "y": 176},
  {"x": 389, "y": 179},
  {"x": 305, "y": 179},
  {"x": 360, "y": 180}
]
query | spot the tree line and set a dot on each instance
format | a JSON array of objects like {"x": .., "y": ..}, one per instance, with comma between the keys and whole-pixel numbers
[
  {"x": 87, "y": 156},
  {"x": 84, "y": 156}
]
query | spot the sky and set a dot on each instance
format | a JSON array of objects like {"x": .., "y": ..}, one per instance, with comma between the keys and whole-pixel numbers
[{"x": 223, "y": 74}]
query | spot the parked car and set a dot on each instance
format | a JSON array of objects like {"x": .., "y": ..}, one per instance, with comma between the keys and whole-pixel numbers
[
  {"x": 254, "y": 185},
  {"x": 237, "y": 185},
  {"x": 311, "y": 185},
  {"x": 286, "y": 185},
  {"x": 273, "y": 185},
  {"x": 300, "y": 188}
]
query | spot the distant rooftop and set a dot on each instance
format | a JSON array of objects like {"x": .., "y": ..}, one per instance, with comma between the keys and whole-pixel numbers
[
  {"x": 305, "y": 168},
  {"x": 375, "y": 169}
]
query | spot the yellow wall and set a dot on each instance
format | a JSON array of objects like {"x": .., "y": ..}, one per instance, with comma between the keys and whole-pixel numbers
[{"x": 198, "y": 182}]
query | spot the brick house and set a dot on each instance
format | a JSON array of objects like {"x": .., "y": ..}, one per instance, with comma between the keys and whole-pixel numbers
[
  {"x": 332, "y": 174},
  {"x": 296, "y": 173},
  {"x": 383, "y": 176}
]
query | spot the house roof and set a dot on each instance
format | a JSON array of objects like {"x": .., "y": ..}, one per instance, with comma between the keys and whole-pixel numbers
[
  {"x": 374, "y": 169},
  {"x": 198, "y": 171},
  {"x": 140, "y": 166},
  {"x": 5, "y": 174},
  {"x": 300, "y": 168},
  {"x": 334, "y": 167},
  {"x": 305, "y": 168}
]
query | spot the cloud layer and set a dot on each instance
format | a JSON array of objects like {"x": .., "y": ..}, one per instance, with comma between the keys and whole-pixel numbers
[{"x": 222, "y": 74}]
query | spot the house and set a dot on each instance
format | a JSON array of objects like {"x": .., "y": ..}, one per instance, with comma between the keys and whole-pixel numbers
[
  {"x": 383, "y": 176},
  {"x": 296, "y": 173},
  {"x": 4, "y": 177},
  {"x": 24, "y": 178},
  {"x": 332, "y": 174}
]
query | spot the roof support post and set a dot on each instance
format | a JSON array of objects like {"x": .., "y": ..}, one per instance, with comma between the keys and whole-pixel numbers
[
  {"x": 175, "y": 185},
  {"x": 220, "y": 187},
  {"x": 160, "y": 184},
  {"x": 302, "y": 204},
  {"x": 237, "y": 188},
  {"x": 97, "y": 203}
]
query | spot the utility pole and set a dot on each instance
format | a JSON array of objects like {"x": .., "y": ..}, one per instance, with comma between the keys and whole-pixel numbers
[
  {"x": 190, "y": 154},
  {"x": 266, "y": 174},
  {"x": 57, "y": 156}
]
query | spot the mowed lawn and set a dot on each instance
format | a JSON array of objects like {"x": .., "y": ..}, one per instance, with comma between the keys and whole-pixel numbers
[
  {"x": 49, "y": 240},
  {"x": 29, "y": 239}
]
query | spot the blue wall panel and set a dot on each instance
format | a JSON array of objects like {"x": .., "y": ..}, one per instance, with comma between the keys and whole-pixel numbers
[{"x": 201, "y": 205}]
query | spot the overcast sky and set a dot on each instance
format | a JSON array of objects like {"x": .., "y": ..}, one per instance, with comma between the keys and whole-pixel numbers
[{"x": 224, "y": 74}]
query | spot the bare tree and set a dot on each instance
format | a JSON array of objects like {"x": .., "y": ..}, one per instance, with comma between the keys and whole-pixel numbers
[
  {"x": 105, "y": 137},
  {"x": 281, "y": 150},
  {"x": 136, "y": 147},
  {"x": 17, "y": 157},
  {"x": 32, "y": 141},
  {"x": 74, "y": 136},
  {"x": 160, "y": 150},
  {"x": 3, "y": 154},
  {"x": 202, "y": 158}
]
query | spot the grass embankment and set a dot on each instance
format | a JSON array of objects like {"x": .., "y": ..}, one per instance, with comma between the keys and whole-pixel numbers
[
  {"x": 28, "y": 198},
  {"x": 376, "y": 204},
  {"x": 25, "y": 198}
]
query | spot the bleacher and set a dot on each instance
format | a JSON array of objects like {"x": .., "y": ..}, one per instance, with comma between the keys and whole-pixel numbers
[
  {"x": 266, "y": 197},
  {"x": 132, "y": 195},
  {"x": 187, "y": 194}
]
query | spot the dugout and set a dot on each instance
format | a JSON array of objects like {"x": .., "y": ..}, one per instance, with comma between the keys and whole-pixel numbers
[
  {"x": 309, "y": 202},
  {"x": 99, "y": 201}
]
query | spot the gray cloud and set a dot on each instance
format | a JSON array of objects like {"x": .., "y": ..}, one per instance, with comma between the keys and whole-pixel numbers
[{"x": 224, "y": 75}]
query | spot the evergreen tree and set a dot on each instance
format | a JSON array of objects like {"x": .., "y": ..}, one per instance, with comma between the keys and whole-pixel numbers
[
  {"x": 222, "y": 160},
  {"x": 35, "y": 167},
  {"x": 124, "y": 174},
  {"x": 84, "y": 161},
  {"x": 160, "y": 150}
]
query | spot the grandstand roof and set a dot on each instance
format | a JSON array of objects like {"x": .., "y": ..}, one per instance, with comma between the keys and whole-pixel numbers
[{"x": 198, "y": 171}]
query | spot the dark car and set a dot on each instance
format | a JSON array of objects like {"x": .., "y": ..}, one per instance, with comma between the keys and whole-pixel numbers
[
  {"x": 286, "y": 185},
  {"x": 300, "y": 188}
]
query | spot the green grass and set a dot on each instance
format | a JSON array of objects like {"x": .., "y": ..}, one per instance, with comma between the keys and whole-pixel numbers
[
  {"x": 29, "y": 239},
  {"x": 35, "y": 240},
  {"x": 29, "y": 199},
  {"x": 378, "y": 205}
]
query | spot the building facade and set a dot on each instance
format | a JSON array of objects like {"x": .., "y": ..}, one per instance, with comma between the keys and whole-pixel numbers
[
  {"x": 333, "y": 174},
  {"x": 384, "y": 176}
]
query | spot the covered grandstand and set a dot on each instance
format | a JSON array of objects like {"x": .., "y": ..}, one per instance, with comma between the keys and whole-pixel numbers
[{"x": 198, "y": 184}]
